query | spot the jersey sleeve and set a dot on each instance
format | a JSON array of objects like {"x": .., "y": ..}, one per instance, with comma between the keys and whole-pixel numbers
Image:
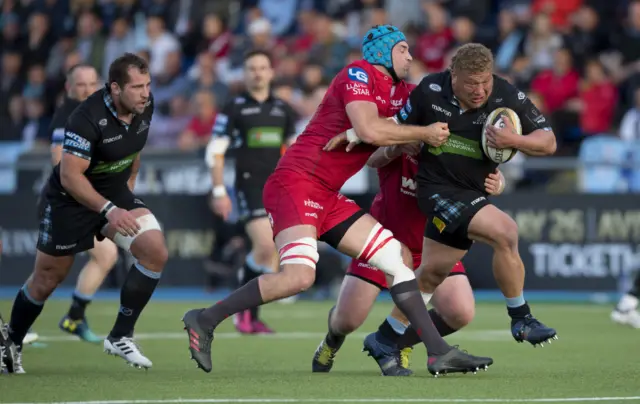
[
  {"x": 413, "y": 112},
  {"x": 292, "y": 119},
  {"x": 224, "y": 126},
  {"x": 80, "y": 135},
  {"x": 530, "y": 116},
  {"x": 355, "y": 85},
  {"x": 56, "y": 129}
]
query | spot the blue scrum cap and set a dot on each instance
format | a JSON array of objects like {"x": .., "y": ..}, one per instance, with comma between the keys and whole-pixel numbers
[{"x": 378, "y": 43}]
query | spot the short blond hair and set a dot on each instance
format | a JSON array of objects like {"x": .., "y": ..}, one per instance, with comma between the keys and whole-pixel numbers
[{"x": 472, "y": 58}]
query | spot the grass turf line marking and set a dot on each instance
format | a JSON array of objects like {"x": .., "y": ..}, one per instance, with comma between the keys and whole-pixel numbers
[
  {"x": 480, "y": 335},
  {"x": 345, "y": 400}
]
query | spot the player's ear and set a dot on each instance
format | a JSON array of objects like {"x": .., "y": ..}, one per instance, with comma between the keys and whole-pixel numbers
[{"x": 115, "y": 88}]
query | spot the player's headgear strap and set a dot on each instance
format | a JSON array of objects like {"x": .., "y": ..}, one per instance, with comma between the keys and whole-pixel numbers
[{"x": 378, "y": 43}]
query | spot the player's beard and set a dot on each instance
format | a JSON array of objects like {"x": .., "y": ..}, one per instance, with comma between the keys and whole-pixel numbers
[{"x": 135, "y": 108}]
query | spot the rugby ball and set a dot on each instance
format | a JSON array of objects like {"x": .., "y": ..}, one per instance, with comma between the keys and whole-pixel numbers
[{"x": 497, "y": 119}]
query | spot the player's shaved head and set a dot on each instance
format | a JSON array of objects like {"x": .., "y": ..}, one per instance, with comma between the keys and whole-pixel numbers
[
  {"x": 472, "y": 58},
  {"x": 82, "y": 81}
]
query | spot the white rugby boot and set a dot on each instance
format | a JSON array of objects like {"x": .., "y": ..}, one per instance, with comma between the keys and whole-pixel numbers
[
  {"x": 630, "y": 317},
  {"x": 127, "y": 349}
]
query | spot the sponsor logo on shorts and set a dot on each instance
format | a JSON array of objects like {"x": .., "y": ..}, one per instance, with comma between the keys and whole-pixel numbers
[
  {"x": 312, "y": 204},
  {"x": 365, "y": 265},
  {"x": 482, "y": 198},
  {"x": 440, "y": 109},
  {"x": 66, "y": 247},
  {"x": 358, "y": 74},
  {"x": 398, "y": 103},
  {"x": 312, "y": 214},
  {"x": 439, "y": 224}
]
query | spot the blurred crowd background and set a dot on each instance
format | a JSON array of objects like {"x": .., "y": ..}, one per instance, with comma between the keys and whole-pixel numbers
[{"x": 579, "y": 60}]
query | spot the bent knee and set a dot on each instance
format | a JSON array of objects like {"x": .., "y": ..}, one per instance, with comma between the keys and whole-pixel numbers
[
  {"x": 506, "y": 235},
  {"x": 460, "y": 316},
  {"x": 299, "y": 277},
  {"x": 151, "y": 251},
  {"x": 432, "y": 275},
  {"x": 345, "y": 322}
]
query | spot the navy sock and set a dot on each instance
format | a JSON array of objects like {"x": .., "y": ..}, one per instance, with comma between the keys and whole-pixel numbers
[
  {"x": 518, "y": 313},
  {"x": 24, "y": 313},
  {"x": 249, "y": 274},
  {"x": 135, "y": 294},
  {"x": 78, "y": 306}
]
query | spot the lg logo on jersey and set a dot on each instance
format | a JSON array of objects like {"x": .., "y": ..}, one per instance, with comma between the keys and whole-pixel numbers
[{"x": 358, "y": 74}]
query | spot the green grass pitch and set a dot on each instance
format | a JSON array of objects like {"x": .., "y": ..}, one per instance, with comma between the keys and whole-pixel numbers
[{"x": 593, "y": 360}]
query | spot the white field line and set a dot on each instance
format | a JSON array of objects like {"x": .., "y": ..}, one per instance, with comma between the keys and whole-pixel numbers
[
  {"x": 481, "y": 335},
  {"x": 346, "y": 400}
]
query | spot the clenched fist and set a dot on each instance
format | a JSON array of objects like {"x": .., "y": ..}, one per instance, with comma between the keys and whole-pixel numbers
[{"x": 436, "y": 134}]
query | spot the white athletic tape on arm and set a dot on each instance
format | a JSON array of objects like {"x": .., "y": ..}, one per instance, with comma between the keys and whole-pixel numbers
[
  {"x": 303, "y": 251},
  {"x": 384, "y": 252},
  {"x": 352, "y": 137},
  {"x": 146, "y": 222},
  {"x": 216, "y": 146}
]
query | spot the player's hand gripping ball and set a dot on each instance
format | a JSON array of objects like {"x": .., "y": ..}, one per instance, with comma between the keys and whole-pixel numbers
[{"x": 499, "y": 134}]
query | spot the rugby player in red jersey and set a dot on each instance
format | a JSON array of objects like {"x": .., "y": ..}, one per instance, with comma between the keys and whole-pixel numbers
[
  {"x": 396, "y": 207},
  {"x": 303, "y": 201}
]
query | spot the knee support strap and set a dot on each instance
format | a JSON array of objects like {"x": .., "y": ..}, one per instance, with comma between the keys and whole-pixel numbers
[
  {"x": 146, "y": 222},
  {"x": 385, "y": 252},
  {"x": 303, "y": 251}
]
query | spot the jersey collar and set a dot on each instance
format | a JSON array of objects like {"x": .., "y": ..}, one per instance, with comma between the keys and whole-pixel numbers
[
  {"x": 108, "y": 102},
  {"x": 248, "y": 96},
  {"x": 383, "y": 78}
]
